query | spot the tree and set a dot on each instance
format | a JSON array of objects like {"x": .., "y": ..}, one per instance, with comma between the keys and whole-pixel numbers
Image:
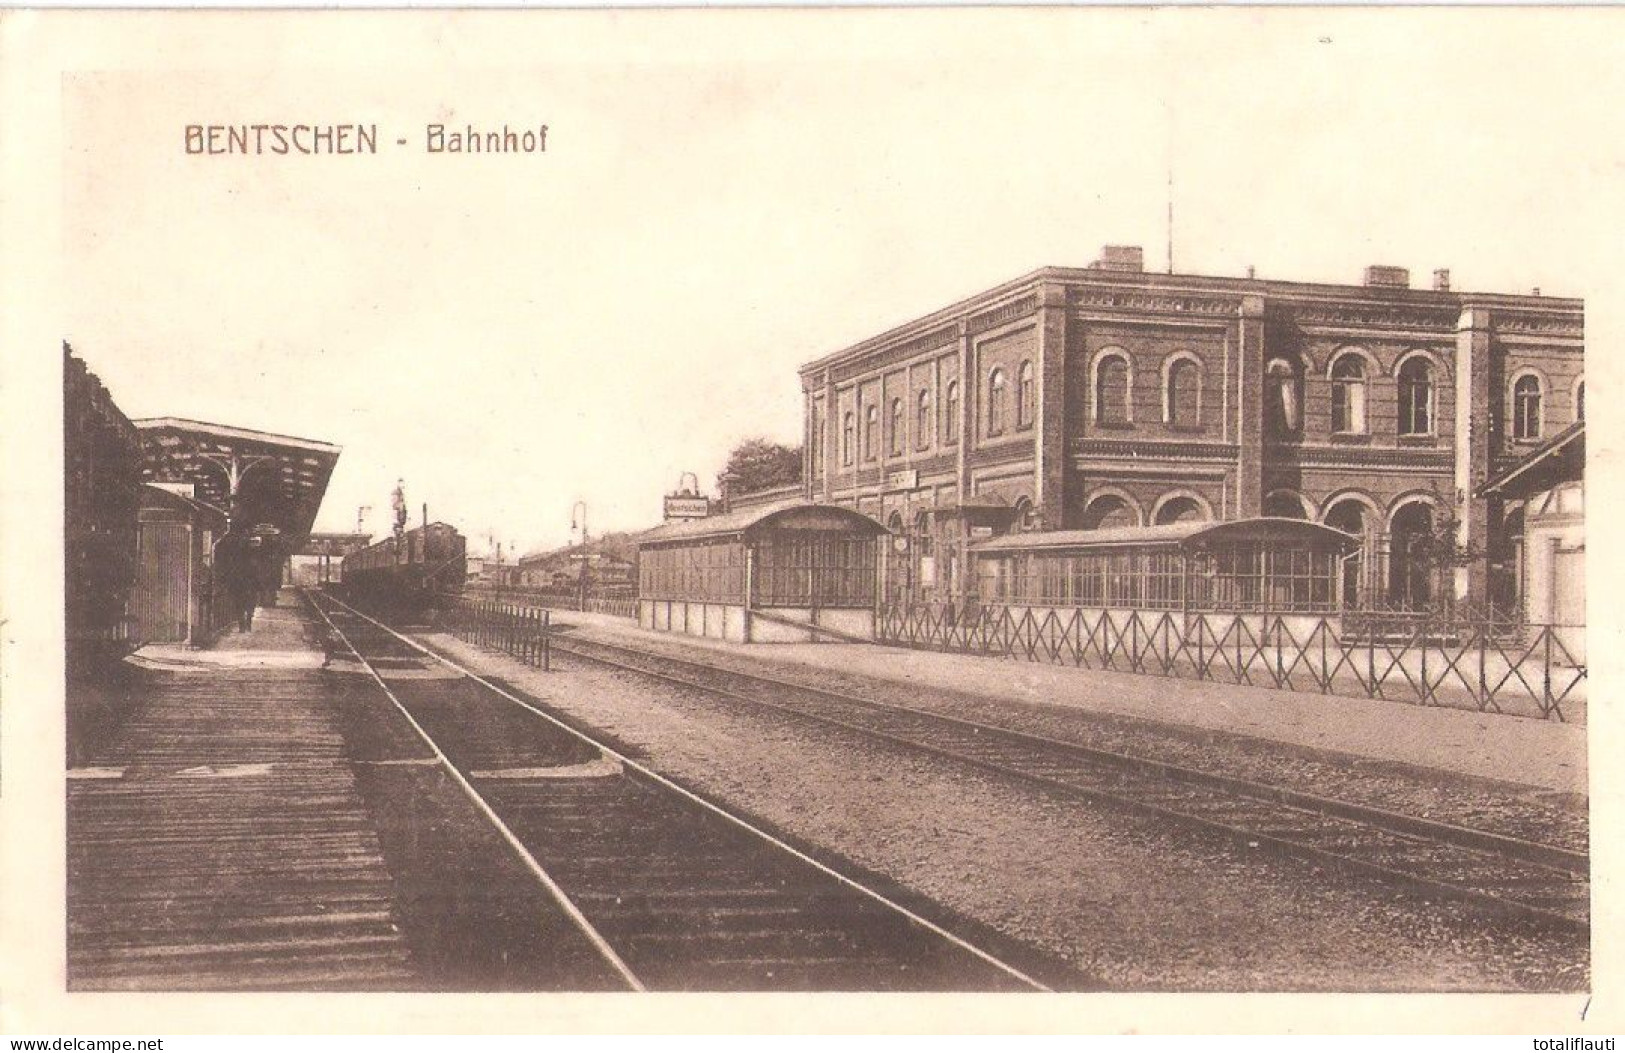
[{"x": 761, "y": 464}]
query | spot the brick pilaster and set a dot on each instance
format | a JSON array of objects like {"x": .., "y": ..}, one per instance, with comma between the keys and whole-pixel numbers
[
  {"x": 1475, "y": 424},
  {"x": 1049, "y": 455},
  {"x": 1250, "y": 409}
]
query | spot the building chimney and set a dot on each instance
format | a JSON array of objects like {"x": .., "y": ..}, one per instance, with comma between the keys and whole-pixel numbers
[
  {"x": 1120, "y": 258},
  {"x": 1441, "y": 279},
  {"x": 1251, "y": 274},
  {"x": 1393, "y": 277}
]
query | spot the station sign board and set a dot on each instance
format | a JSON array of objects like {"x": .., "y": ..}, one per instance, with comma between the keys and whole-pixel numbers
[
  {"x": 336, "y": 545},
  {"x": 903, "y": 479},
  {"x": 687, "y": 506}
]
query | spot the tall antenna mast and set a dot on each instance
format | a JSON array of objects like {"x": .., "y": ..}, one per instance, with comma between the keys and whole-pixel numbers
[
  {"x": 1168, "y": 117},
  {"x": 1170, "y": 211}
]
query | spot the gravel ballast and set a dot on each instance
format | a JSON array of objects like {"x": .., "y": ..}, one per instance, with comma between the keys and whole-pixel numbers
[
  {"x": 1130, "y": 905},
  {"x": 1500, "y": 807}
]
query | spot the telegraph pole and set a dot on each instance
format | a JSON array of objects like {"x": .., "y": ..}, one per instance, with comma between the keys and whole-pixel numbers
[{"x": 581, "y": 507}]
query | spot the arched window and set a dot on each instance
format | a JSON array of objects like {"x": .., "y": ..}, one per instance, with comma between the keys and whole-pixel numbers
[
  {"x": 1026, "y": 407},
  {"x": 871, "y": 425},
  {"x": 898, "y": 427},
  {"x": 1283, "y": 504},
  {"x": 1108, "y": 510},
  {"x": 922, "y": 534},
  {"x": 1348, "y": 395},
  {"x": 1183, "y": 399},
  {"x": 1112, "y": 389},
  {"x": 996, "y": 396},
  {"x": 950, "y": 413},
  {"x": 1416, "y": 397},
  {"x": 1281, "y": 398},
  {"x": 1411, "y": 566},
  {"x": 922, "y": 420},
  {"x": 847, "y": 427},
  {"x": 1526, "y": 408},
  {"x": 1180, "y": 510},
  {"x": 1352, "y": 517},
  {"x": 1506, "y": 583},
  {"x": 1025, "y": 519}
]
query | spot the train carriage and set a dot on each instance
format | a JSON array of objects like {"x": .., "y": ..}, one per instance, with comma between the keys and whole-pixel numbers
[{"x": 408, "y": 573}]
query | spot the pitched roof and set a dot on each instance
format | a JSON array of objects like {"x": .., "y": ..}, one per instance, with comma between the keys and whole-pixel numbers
[
  {"x": 1557, "y": 446},
  {"x": 1188, "y": 534},
  {"x": 748, "y": 519}
]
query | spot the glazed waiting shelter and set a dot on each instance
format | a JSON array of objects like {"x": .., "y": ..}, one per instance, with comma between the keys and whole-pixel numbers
[
  {"x": 1260, "y": 565},
  {"x": 787, "y": 572}
]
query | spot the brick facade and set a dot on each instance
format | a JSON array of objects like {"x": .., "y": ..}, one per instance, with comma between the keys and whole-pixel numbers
[{"x": 1072, "y": 398}]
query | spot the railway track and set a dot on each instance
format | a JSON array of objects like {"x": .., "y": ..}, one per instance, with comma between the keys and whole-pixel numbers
[
  {"x": 674, "y": 892},
  {"x": 1508, "y": 876}
]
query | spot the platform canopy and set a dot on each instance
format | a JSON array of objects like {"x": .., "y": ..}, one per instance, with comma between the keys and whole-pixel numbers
[{"x": 258, "y": 477}]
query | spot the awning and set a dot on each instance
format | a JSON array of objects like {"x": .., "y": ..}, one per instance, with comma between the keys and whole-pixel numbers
[
  {"x": 1570, "y": 442},
  {"x": 260, "y": 477}
]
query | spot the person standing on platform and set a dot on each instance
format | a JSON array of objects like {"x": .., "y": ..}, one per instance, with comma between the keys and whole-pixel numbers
[
  {"x": 268, "y": 571},
  {"x": 235, "y": 557}
]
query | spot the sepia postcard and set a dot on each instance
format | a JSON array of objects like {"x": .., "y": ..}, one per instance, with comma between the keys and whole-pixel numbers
[{"x": 871, "y": 519}]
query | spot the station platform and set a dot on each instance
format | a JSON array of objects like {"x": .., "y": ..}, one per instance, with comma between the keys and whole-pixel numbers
[
  {"x": 1545, "y": 755},
  {"x": 216, "y": 836},
  {"x": 282, "y": 638}
]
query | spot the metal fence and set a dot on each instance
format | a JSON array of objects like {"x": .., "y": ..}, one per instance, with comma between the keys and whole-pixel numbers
[
  {"x": 520, "y": 631},
  {"x": 1526, "y": 670},
  {"x": 623, "y": 605}
]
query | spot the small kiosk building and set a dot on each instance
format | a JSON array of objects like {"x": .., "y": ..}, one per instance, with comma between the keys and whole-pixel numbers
[{"x": 790, "y": 572}]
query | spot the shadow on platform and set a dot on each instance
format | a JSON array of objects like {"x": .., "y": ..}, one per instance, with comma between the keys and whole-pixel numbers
[{"x": 280, "y": 639}]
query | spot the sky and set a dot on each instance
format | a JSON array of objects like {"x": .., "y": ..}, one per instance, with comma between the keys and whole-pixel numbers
[{"x": 725, "y": 197}]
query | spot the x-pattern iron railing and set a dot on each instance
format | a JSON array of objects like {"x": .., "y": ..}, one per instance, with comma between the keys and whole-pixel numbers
[{"x": 1526, "y": 670}]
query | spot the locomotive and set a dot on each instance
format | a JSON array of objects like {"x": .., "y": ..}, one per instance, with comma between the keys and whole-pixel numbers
[{"x": 409, "y": 573}]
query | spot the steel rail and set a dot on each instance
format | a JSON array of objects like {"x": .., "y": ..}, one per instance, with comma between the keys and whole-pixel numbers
[
  {"x": 1283, "y": 845},
  {"x": 562, "y": 898},
  {"x": 723, "y": 813},
  {"x": 1541, "y": 853}
]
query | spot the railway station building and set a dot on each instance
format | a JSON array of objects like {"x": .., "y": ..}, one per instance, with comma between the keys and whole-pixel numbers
[{"x": 1109, "y": 397}]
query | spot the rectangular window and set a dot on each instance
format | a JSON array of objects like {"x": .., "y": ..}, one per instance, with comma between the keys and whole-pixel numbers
[
  {"x": 1348, "y": 407},
  {"x": 814, "y": 569}
]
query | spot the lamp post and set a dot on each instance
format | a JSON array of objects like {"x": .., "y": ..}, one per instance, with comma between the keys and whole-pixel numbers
[
  {"x": 578, "y": 517},
  {"x": 492, "y": 545}
]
